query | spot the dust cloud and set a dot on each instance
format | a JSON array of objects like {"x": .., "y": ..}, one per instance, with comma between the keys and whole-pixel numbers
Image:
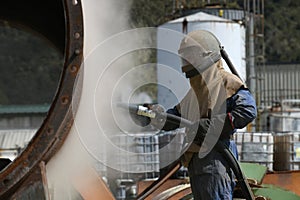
[{"x": 109, "y": 75}]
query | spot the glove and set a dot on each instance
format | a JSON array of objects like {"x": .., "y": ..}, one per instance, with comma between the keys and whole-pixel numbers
[
  {"x": 199, "y": 129},
  {"x": 159, "y": 120},
  {"x": 162, "y": 120},
  {"x": 228, "y": 127}
]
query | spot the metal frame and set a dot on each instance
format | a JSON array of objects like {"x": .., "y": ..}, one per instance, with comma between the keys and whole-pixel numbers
[{"x": 55, "y": 128}]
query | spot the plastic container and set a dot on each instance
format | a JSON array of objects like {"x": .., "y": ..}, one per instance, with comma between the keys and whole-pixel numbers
[
  {"x": 137, "y": 155},
  {"x": 170, "y": 146},
  {"x": 255, "y": 148}
]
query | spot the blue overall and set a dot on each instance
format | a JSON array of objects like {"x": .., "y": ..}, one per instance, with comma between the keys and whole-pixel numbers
[{"x": 211, "y": 178}]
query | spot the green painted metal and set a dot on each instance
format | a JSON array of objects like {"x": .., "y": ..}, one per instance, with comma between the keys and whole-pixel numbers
[
  {"x": 187, "y": 197},
  {"x": 275, "y": 193},
  {"x": 254, "y": 171},
  {"x": 24, "y": 109}
]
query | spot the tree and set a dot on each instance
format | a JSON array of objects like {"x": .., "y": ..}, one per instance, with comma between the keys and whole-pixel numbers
[
  {"x": 30, "y": 67},
  {"x": 282, "y": 31}
]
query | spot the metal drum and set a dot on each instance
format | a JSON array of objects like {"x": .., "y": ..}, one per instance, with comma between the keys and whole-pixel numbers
[{"x": 287, "y": 151}]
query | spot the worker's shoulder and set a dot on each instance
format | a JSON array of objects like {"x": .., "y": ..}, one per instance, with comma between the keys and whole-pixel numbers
[{"x": 231, "y": 79}]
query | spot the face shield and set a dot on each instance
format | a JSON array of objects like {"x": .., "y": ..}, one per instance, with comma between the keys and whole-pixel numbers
[
  {"x": 194, "y": 62},
  {"x": 198, "y": 52}
]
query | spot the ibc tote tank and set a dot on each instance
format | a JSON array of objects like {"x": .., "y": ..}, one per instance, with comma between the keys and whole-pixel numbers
[{"x": 231, "y": 34}]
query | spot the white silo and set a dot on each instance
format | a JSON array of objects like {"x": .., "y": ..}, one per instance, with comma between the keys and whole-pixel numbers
[{"x": 231, "y": 34}]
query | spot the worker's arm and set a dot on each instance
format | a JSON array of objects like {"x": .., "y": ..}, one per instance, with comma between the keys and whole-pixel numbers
[
  {"x": 199, "y": 127},
  {"x": 241, "y": 108}
]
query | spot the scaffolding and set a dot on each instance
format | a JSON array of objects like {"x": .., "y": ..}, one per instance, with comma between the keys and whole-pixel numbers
[{"x": 255, "y": 59}]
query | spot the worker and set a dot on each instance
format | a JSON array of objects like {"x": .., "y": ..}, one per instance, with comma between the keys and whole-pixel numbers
[{"x": 216, "y": 95}]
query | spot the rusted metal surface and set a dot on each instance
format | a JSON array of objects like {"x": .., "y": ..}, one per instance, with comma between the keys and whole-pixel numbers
[
  {"x": 55, "y": 128},
  {"x": 166, "y": 185},
  {"x": 181, "y": 194},
  {"x": 151, "y": 189},
  {"x": 35, "y": 186},
  {"x": 174, "y": 193},
  {"x": 289, "y": 180}
]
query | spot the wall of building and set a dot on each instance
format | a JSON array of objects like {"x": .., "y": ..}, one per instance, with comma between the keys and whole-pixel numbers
[{"x": 21, "y": 121}]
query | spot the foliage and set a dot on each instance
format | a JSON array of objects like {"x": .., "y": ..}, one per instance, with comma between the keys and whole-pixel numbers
[
  {"x": 148, "y": 13},
  {"x": 282, "y": 31},
  {"x": 30, "y": 68}
]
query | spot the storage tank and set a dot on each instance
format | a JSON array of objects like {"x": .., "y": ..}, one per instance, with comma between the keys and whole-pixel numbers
[{"x": 231, "y": 34}]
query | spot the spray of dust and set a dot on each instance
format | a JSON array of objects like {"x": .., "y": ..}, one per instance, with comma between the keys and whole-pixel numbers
[{"x": 107, "y": 74}]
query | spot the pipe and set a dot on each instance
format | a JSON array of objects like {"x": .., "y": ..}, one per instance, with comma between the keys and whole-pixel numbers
[{"x": 229, "y": 63}]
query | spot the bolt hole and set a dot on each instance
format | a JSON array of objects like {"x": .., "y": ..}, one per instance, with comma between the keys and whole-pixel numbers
[
  {"x": 49, "y": 130},
  {"x": 77, "y": 35},
  {"x": 73, "y": 68},
  {"x": 77, "y": 51},
  {"x": 6, "y": 181},
  {"x": 74, "y": 2},
  {"x": 65, "y": 100}
]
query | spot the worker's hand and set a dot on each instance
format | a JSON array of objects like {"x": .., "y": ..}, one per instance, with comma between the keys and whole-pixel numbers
[
  {"x": 200, "y": 129},
  {"x": 228, "y": 127},
  {"x": 159, "y": 121}
]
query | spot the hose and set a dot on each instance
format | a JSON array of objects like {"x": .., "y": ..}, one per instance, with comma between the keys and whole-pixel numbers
[{"x": 222, "y": 148}]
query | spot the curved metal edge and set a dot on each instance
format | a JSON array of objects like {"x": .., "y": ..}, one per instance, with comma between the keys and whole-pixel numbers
[
  {"x": 57, "y": 124},
  {"x": 156, "y": 184}
]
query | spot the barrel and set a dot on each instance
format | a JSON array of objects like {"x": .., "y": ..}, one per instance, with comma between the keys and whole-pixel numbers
[{"x": 287, "y": 151}]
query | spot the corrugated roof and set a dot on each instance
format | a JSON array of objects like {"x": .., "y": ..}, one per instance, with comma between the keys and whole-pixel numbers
[
  {"x": 200, "y": 16},
  {"x": 13, "y": 109},
  {"x": 13, "y": 139},
  {"x": 232, "y": 14}
]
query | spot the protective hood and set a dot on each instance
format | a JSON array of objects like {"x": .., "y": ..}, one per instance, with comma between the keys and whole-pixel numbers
[
  {"x": 199, "y": 50},
  {"x": 209, "y": 90},
  {"x": 207, "y": 98}
]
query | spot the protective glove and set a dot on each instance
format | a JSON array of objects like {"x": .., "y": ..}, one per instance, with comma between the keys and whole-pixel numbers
[
  {"x": 228, "y": 127},
  {"x": 159, "y": 120},
  {"x": 198, "y": 131},
  {"x": 221, "y": 126},
  {"x": 163, "y": 120}
]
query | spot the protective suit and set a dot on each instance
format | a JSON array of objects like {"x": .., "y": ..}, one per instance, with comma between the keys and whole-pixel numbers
[{"x": 215, "y": 95}]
